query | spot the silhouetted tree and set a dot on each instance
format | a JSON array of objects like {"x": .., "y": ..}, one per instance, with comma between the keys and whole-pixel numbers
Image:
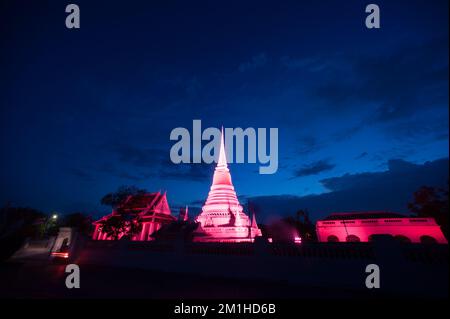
[
  {"x": 49, "y": 226},
  {"x": 183, "y": 230},
  {"x": 24, "y": 220},
  {"x": 282, "y": 230},
  {"x": 80, "y": 221},
  {"x": 285, "y": 229},
  {"x": 304, "y": 225},
  {"x": 121, "y": 222},
  {"x": 115, "y": 199},
  {"x": 16, "y": 224},
  {"x": 432, "y": 202}
]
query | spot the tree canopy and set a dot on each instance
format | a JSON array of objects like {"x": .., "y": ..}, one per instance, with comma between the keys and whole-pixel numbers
[
  {"x": 432, "y": 202},
  {"x": 115, "y": 199},
  {"x": 121, "y": 224}
]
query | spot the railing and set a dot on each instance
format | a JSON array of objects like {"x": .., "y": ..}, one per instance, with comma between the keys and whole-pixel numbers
[
  {"x": 240, "y": 249},
  {"x": 430, "y": 253},
  {"x": 325, "y": 250},
  {"x": 414, "y": 221},
  {"x": 307, "y": 250},
  {"x": 424, "y": 253},
  {"x": 131, "y": 245}
]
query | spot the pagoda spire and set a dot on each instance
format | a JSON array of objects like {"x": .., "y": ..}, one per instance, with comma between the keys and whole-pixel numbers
[
  {"x": 222, "y": 162},
  {"x": 222, "y": 217}
]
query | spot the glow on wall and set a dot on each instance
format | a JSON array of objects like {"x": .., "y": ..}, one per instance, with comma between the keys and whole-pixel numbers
[
  {"x": 152, "y": 209},
  {"x": 343, "y": 228}
]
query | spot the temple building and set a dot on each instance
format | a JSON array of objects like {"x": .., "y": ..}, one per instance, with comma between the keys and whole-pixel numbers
[
  {"x": 151, "y": 208},
  {"x": 360, "y": 227},
  {"x": 222, "y": 218}
]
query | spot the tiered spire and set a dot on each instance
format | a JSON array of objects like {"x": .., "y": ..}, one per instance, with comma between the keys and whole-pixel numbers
[
  {"x": 222, "y": 194},
  {"x": 222, "y": 217},
  {"x": 222, "y": 162}
]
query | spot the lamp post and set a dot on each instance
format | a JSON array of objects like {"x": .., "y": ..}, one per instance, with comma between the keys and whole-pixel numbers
[
  {"x": 53, "y": 219},
  {"x": 49, "y": 220}
]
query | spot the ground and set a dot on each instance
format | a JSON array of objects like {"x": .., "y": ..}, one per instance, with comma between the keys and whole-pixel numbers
[{"x": 43, "y": 280}]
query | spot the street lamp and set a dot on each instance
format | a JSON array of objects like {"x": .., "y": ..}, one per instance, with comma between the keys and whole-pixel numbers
[{"x": 54, "y": 216}]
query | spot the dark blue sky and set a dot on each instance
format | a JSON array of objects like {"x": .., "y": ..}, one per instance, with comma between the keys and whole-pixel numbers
[{"x": 84, "y": 111}]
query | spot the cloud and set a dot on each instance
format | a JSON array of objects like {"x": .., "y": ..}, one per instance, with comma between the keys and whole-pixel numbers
[
  {"x": 390, "y": 190},
  {"x": 138, "y": 156},
  {"x": 308, "y": 144},
  {"x": 433, "y": 128},
  {"x": 139, "y": 163},
  {"x": 197, "y": 202},
  {"x": 346, "y": 133},
  {"x": 314, "y": 168},
  {"x": 196, "y": 172},
  {"x": 397, "y": 84},
  {"x": 193, "y": 86},
  {"x": 256, "y": 61},
  {"x": 362, "y": 155},
  {"x": 349, "y": 181},
  {"x": 81, "y": 174},
  {"x": 312, "y": 64}
]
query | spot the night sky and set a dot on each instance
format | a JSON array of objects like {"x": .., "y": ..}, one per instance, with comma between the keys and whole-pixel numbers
[{"x": 362, "y": 114}]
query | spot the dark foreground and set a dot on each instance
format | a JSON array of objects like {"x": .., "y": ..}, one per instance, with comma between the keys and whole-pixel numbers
[{"x": 42, "y": 280}]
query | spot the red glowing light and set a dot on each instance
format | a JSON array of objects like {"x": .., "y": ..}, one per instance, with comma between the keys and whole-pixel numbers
[{"x": 60, "y": 254}]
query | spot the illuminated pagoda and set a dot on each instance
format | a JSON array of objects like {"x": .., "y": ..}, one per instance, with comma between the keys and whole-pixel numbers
[
  {"x": 222, "y": 218},
  {"x": 151, "y": 208}
]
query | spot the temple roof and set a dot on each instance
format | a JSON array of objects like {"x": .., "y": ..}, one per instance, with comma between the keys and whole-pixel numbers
[
  {"x": 141, "y": 201},
  {"x": 148, "y": 204}
]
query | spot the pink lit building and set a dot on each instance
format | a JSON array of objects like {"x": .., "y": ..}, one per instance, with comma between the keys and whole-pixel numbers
[
  {"x": 152, "y": 208},
  {"x": 222, "y": 218},
  {"x": 360, "y": 227}
]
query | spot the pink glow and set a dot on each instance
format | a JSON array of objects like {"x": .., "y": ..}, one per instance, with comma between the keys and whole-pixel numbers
[
  {"x": 297, "y": 240},
  {"x": 152, "y": 208},
  {"x": 222, "y": 218},
  {"x": 415, "y": 230},
  {"x": 59, "y": 254}
]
